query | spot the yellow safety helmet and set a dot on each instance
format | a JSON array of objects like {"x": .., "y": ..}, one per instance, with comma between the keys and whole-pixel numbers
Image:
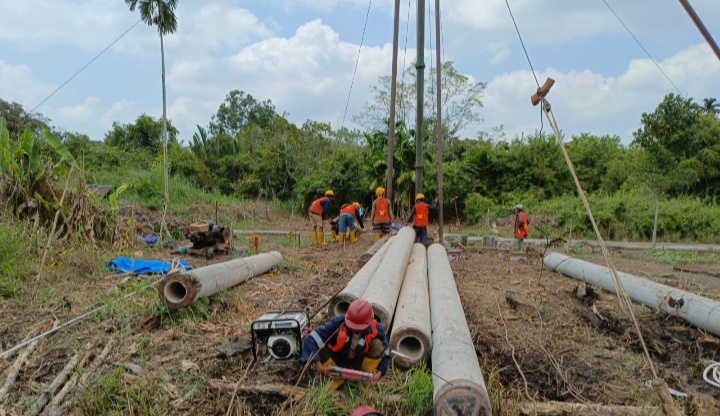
[
  {"x": 379, "y": 191},
  {"x": 329, "y": 192},
  {"x": 419, "y": 196},
  {"x": 357, "y": 205}
]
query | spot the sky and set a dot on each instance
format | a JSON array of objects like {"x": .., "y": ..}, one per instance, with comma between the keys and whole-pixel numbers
[{"x": 302, "y": 54}]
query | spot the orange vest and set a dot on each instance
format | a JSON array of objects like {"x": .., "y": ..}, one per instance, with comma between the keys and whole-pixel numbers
[
  {"x": 342, "y": 338},
  {"x": 315, "y": 207},
  {"x": 521, "y": 232},
  {"x": 348, "y": 209},
  {"x": 421, "y": 215},
  {"x": 382, "y": 214}
]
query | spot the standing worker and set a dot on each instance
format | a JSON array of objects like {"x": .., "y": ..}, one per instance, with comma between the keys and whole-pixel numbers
[
  {"x": 354, "y": 341},
  {"x": 420, "y": 217},
  {"x": 348, "y": 214},
  {"x": 521, "y": 226},
  {"x": 318, "y": 211},
  {"x": 381, "y": 214}
]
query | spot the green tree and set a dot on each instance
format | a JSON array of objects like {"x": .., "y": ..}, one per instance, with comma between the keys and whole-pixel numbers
[
  {"x": 145, "y": 134},
  {"x": 711, "y": 106},
  {"x": 239, "y": 110},
  {"x": 592, "y": 156},
  {"x": 17, "y": 119},
  {"x": 670, "y": 141},
  {"x": 462, "y": 100},
  {"x": 160, "y": 13}
]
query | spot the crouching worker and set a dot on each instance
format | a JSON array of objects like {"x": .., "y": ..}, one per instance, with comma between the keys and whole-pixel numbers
[
  {"x": 355, "y": 341},
  {"x": 348, "y": 214}
]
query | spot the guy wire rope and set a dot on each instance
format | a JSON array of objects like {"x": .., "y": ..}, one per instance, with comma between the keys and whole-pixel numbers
[
  {"x": 357, "y": 61},
  {"x": 623, "y": 297},
  {"x": 643, "y": 48},
  {"x": 86, "y": 65}
]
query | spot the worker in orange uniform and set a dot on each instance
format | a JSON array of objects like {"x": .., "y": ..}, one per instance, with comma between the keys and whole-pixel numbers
[
  {"x": 521, "y": 226},
  {"x": 318, "y": 211},
  {"x": 381, "y": 214},
  {"x": 420, "y": 217},
  {"x": 348, "y": 214},
  {"x": 354, "y": 341}
]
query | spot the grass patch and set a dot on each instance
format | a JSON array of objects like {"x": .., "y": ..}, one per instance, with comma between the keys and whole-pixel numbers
[
  {"x": 16, "y": 253},
  {"x": 683, "y": 257},
  {"x": 112, "y": 394}
]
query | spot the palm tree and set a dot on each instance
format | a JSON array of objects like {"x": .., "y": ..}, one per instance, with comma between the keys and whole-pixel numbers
[
  {"x": 160, "y": 13},
  {"x": 711, "y": 106}
]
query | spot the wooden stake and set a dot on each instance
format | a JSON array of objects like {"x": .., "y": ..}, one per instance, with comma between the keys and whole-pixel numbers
[
  {"x": 44, "y": 397},
  {"x": 564, "y": 408},
  {"x": 291, "y": 392}
]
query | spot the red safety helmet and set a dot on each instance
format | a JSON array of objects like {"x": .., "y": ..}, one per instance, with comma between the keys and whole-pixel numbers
[{"x": 359, "y": 315}]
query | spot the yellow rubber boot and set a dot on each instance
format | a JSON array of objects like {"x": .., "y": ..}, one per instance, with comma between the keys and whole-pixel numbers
[
  {"x": 334, "y": 383},
  {"x": 334, "y": 235},
  {"x": 353, "y": 238},
  {"x": 377, "y": 237},
  {"x": 341, "y": 238},
  {"x": 321, "y": 237},
  {"x": 369, "y": 365},
  {"x": 315, "y": 237}
]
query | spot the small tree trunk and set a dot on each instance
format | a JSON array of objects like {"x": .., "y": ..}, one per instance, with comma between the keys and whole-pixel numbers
[
  {"x": 657, "y": 208},
  {"x": 163, "y": 226}
]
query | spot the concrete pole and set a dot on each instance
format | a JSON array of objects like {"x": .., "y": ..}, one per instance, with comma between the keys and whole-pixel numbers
[
  {"x": 411, "y": 334},
  {"x": 357, "y": 285},
  {"x": 384, "y": 287},
  {"x": 702, "y": 312},
  {"x": 185, "y": 287},
  {"x": 420, "y": 97},
  {"x": 459, "y": 388},
  {"x": 393, "y": 93},
  {"x": 439, "y": 126},
  {"x": 369, "y": 253}
]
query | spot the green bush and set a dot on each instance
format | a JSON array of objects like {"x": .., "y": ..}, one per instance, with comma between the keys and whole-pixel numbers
[{"x": 476, "y": 207}]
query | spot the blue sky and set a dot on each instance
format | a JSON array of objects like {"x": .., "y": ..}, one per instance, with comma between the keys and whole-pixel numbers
[{"x": 301, "y": 55}]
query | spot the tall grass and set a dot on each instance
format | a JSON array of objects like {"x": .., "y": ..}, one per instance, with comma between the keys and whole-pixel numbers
[{"x": 16, "y": 246}]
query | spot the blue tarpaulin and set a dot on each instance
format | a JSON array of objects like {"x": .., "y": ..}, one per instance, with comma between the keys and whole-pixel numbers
[{"x": 123, "y": 265}]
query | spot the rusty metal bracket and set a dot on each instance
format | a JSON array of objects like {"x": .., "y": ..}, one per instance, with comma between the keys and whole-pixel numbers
[{"x": 542, "y": 91}]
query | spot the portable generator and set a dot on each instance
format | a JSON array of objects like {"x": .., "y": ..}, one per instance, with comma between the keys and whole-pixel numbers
[{"x": 277, "y": 336}]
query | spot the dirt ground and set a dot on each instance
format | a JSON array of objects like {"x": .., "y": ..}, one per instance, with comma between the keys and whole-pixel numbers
[{"x": 169, "y": 360}]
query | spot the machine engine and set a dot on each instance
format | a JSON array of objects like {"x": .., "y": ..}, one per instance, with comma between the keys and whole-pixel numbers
[{"x": 277, "y": 336}]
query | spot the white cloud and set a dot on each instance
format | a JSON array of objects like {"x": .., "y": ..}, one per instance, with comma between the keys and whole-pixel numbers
[
  {"x": 18, "y": 84},
  {"x": 584, "y": 100},
  {"x": 307, "y": 75}
]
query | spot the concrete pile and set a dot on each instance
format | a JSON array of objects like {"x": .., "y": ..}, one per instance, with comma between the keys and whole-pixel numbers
[{"x": 413, "y": 294}]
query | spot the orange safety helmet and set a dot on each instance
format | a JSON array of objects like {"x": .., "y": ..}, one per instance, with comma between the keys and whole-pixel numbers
[{"x": 359, "y": 315}]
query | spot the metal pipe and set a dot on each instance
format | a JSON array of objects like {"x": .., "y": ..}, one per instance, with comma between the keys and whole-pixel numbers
[
  {"x": 182, "y": 288},
  {"x": 701, "y": 27},
  {"x": 411, "y": 334},
  {"x": 461, "y": 390},
  {"x": 357, "y": 285},
  {"x": 384, "y": 287},
  {"x": 702, "y": 312}
]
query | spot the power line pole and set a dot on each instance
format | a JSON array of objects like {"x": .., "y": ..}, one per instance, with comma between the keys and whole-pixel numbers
[
  {"x": 420, "y": 83},
  {"x": 438, "y": 127},
  {"x": 393, "y": 92},
  {"x": 701, "y": 27}
]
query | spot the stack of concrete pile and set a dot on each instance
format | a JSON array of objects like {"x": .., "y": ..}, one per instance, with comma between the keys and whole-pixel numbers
[{"x": 414, "y": 290}]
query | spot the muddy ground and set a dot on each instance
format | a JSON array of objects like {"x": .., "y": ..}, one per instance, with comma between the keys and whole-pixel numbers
[{"x": 167, "y": 362}]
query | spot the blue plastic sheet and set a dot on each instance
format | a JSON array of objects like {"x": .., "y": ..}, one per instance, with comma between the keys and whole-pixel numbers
[{"x": 124, "y": 265}]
